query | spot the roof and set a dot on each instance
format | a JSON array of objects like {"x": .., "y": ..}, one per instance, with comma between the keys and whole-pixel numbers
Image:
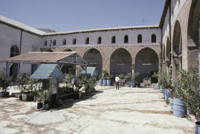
[
  {"x": 166, "y": 6},
  {"x": 42, "y": 33},
  {"x": 46, "y": 71},
  {"x": 104, "y": 29},
  {"x": 90, "y": 71},
  {"x": 49, "y": 57},
  {"x": 20, "y": 25}
]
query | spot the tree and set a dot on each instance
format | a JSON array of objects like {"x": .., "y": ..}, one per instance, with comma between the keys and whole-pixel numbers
[{"x": 5, "y": 82}]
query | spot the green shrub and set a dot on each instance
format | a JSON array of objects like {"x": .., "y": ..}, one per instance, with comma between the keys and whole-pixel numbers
[
  {"x": 22, "y": 82},
  {"x": 187, "y": 87},
  {"x": 5, "y": 82}
]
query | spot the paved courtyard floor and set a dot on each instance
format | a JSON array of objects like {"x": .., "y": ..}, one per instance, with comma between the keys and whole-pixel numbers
[{"x": 108, "y": 111}]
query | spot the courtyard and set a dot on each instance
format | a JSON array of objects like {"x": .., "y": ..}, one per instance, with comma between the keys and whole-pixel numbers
[{"x": 106, "y": 111}]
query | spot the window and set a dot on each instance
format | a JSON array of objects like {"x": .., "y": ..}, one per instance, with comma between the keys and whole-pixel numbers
[
  {"x": 139, "y": 38},
  {"x": 74, "y": 41},
  {"x": 153, "y": 38},
  {"x": 87, "y": 40},
  {"x": 126, "y": 39},
  {"x": 45, "y": 43},
  {"x": 113, "y": 39},
  {"x": 14, "y": 51},
  {"x": 54, "y": 42},
  {"x": 64, "y": 41},
  {"x": 99, "y": 40}
]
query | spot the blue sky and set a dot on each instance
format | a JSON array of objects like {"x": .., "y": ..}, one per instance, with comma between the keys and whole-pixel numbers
[{"x": 70, "y": 15}]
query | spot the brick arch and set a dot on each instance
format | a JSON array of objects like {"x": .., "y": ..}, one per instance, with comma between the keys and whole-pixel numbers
[
  {"x": 88, "y": 49},
  {"x": 193, "y": 35},
  {"x": 135, "y": 54},
  {"x": 146, "y": 63},
  {"x": 167, "y": 52},
  {"x": 116, "y": 48},
  {"x": 193, "y": 23},
  {"x": 93, "y": 58},
  {"x": 67, "y": 49},
  {"x": 167, "y": 49},
  {"x": 176, "y": 48},
  {"x": 127, "y": 63}
]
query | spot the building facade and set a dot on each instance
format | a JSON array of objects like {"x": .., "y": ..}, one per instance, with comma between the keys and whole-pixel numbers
[{"x": 143, "y": 49}]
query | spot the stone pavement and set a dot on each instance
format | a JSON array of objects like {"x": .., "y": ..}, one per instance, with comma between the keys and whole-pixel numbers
[{"x": 108, "y": 111}]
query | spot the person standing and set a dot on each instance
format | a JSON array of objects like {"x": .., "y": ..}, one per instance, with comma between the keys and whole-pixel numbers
[{"x": 117, "y": 81}]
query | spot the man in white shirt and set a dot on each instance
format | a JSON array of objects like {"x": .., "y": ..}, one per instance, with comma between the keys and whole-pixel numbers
[{"x": 117, "y": 82}]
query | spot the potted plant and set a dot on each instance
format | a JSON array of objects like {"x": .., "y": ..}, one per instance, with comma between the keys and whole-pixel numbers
[
  {"x": 145, "y": 81},
  {"x": 89, "y": 83},
  {"x": 178, "y": 93},
  {"x": 32, "y": 86},
  {"x": 137, "y": 83},
  {"x": 104, "y": 76},
  {"x": 100, "y": 80},
  {"x": 190, "y": 92},
  {"x": 39, "y": 104},
  {"x": 4, "y": 83},
  {"x": 76, "y": 89},
  {"x": 109, "y": 80},
  {"x": 158, "y": 77},
  {"x": 22, "y": 83},
  {"x": 45, "y": 96},
  {"x": 132, "y": 78},
  {"x": 121, "y": 76}
]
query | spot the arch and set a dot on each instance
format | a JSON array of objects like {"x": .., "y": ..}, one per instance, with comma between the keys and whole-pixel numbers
[
  {"x": 94, "y": 58},
  {"x": 146, "y": 63},
  {"x": 64, "y": 41},
  {"x": 74, "y": 41},
  {"x": 193, "y": 38},
  {"x": 126, "y": 39},
  {"x": 54, "y": 42},
  {"x": 113, "y": 39},
  {"x": 153, "y": 38},
  {"x": 120, "y": 62},
  {"x": 14, "y": 51},
  {"x": 99, "y": 40},
  {"x": 193, "y": 23},
  {"x": 177, "y": 50},
  {"x": 14, "y": 69},
  {"x": 163, "y": 52},
  {"x": 45, "y": 43},
  {"x": 167, "y": 50},
  {"x": 87, "y": 40},
  {"x": 139, "y": 38},
  {"x": 176, "y": 39},
  {"x": 67, "y": 50}
]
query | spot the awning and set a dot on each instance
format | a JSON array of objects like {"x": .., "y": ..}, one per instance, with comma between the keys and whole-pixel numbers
[
  {"x": 49, "y": 57},
  {"x": 46, "y": 71}
]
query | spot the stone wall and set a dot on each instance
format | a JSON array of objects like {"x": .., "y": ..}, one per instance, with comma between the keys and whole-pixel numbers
[
  {"x": 187, "y": 18},
  {"x": 107, "y": 51},
  {"x": 10, "y": 36}
]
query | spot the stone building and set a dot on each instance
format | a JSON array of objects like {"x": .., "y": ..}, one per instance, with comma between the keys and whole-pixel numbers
[
  {"x": 180, "y": 34},
  {"x": 143, "y": 49}
]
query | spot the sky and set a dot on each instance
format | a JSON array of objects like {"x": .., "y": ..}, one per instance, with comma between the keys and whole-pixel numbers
[{"x": 72, "y": 15}]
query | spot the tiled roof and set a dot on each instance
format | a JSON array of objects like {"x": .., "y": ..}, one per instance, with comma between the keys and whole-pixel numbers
[
  {"x": 20, "y": 25},
  {"x": 49, "y": 57},
  {"x": 105, "y": 29}
]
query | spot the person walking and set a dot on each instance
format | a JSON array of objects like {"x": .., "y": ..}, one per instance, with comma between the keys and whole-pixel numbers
[{"x": 117, "y": 81}]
